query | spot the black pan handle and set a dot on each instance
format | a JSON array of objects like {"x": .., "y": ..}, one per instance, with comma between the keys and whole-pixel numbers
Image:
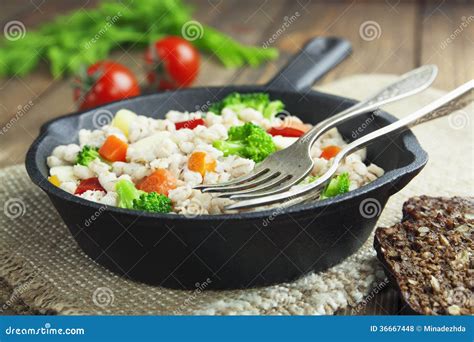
[{"x": 315, "y": 59}]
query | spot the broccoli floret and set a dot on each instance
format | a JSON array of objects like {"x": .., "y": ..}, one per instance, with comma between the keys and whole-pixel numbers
[
  {"x": 153, "y": 202},
  {"x": 86, "y": 155},
  {"x": 337, "y": 186},
  {"x": 129, "y": 197},
  {"x": 248, "y": 141},
  {"x": 258, "y": 101},
  {"x": 127, "y": 193}
]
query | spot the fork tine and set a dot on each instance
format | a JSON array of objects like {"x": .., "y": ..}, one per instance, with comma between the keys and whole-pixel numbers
[
  {"x": 248, "y": 177},
  {"x": 257, "y": 188},
  {"x": 254, "y": 192},
  {"x": 267, "y": 176},
  {"x": 282, "y": 196}
]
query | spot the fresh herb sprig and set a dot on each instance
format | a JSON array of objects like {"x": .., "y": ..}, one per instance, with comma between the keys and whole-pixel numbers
[{"x": 87, "y": 36}]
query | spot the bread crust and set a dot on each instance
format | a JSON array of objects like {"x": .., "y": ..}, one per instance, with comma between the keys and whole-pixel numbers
[{"x": 429, "y": 256}]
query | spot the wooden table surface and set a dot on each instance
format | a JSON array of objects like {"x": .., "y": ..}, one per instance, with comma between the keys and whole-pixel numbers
[{"x": 409, "y": 33}]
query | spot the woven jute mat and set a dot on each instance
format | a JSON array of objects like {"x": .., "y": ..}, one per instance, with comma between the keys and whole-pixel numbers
[{"x": 42, "y": 268}]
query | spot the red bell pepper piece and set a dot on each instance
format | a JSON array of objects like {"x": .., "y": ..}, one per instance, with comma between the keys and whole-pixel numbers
[
  {"x": 189, "y": 124},
  {"x": 88, "y": 184},
  {"x": 285, "y": 132}
]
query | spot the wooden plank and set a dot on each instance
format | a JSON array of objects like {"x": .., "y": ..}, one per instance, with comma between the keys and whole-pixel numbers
[
  {"x": 252, "y": 22},
  {"x": 16, "y": 91},
  {"x": 448, "y": 41},
  {"x": 13, "y": 10},
  {"x": 380, "y": 43}
]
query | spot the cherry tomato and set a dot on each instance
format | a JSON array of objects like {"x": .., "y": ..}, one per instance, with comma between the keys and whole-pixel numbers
[
  {"x": 189, "y": 124},
  {"x": 88, "y": 184},
  {"x": 172, "y": 63},
  {"x": 285, "y": 132},
  {"x": 105, "y": 82}
]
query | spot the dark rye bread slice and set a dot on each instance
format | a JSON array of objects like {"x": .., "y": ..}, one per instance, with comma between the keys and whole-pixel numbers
[{"x": 429, "y": 255}]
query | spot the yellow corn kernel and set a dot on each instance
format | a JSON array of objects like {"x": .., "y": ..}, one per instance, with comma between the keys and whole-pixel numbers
[{"x": 54, "y": 180}]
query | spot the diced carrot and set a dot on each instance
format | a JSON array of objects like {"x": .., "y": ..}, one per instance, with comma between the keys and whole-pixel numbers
[
  {"x": 114, "y": 149},
  {"x": 197, "y": 162},
  {"x": 330, "y": 152},
  {"x": 54, "y": 180},
  {"x": 160, "y": 181}
]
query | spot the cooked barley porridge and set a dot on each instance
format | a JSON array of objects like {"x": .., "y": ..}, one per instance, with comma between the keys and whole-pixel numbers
[{"x": 138, "y": 162}]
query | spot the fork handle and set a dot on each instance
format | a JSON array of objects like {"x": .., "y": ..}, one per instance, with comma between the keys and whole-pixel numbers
[
  {"x": 408, "y": 84},
  {"x": 449, "y": 103}
]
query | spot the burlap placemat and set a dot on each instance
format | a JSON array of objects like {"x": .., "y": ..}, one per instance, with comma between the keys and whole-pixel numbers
[{"x": 46, "y": 271}]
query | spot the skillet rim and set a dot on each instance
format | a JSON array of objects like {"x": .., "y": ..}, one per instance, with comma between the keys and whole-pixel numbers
[{"x": 420, "y": 158}]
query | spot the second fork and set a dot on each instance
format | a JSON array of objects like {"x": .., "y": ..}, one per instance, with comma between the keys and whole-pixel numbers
[{"x": 284, "y": 168}]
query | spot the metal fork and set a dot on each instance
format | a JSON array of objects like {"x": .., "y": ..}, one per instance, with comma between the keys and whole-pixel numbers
[
  {"x": 453, "y": 101},
  {"x": 284, "y": 168}
]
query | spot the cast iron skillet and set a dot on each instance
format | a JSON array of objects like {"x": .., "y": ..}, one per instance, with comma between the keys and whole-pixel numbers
[{"x": 241, "y": 250}]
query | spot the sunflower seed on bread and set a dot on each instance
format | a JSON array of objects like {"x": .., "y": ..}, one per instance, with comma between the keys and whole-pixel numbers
[{"x": 429, "y": 256}]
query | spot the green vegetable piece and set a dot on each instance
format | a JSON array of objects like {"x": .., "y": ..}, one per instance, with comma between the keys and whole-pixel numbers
[
  {"x": 153, "y": 202},
  {"x": 127, "y": 193},
  {"x": 337, "y": 186},
  {"x": 86, "y": 155},
  {"x": 247, "y": 141},
  {"x": 258, "y": 101},
  {"x": 273, "y": 108},
  {"x": 309, "y": 179},
  {"x": 88, "y": 35}
]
